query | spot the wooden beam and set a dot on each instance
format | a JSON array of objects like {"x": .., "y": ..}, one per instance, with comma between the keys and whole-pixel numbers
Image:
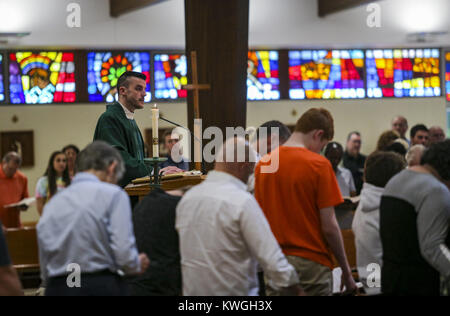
[
  {"x": 120, "y": 7},
  {"x": 332, "y": 6},
  {"x": 217, "y": 30}
]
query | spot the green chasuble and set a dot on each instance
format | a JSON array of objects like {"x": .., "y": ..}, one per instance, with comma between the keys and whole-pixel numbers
[{"x": 123, "y": 134}]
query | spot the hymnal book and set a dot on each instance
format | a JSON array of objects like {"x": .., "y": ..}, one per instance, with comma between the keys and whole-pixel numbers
[{"x": 25, "y": 202}]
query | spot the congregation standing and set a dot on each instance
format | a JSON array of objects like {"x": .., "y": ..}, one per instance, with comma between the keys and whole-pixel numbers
[{"x": 218, "y": 238}]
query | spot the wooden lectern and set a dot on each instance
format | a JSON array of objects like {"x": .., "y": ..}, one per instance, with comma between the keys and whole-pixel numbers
[{"x": 141, "y": 187}]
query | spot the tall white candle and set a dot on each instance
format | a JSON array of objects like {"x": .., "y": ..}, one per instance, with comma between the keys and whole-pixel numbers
[{"x": 155, "y": 118}]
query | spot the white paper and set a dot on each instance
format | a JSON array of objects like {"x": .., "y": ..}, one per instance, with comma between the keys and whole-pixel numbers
[{"x": 24, "y": 202}]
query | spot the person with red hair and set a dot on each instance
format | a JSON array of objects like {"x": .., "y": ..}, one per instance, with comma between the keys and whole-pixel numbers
[{"x": 298, "y": 200}]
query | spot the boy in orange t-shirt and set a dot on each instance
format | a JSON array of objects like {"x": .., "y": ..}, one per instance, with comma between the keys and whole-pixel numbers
[
  {"x": 298, "y": 200},
  {"x": 13, "y": 188}
]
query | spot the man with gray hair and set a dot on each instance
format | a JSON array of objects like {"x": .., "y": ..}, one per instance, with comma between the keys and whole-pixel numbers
[
  {"x": 223, "y": 232},
  {"x": 87, "y": 229},
  {"x": 13, "y": 189},
  {"x": 414, "y": 155}
]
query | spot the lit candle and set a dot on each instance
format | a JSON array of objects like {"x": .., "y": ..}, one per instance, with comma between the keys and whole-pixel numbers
[{"x": 155, "y": 118}]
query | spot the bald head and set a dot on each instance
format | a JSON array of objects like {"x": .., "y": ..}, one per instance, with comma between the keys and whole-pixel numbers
[
  {"x": 237, "y": 158},
  {"x": 400, "y": 125},
  {"x": 436, "y": 135},
  {"x": 10, "y": 163}
]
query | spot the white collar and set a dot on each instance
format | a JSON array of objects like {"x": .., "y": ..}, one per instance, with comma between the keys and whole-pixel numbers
[{"x": 128, "y": 113}]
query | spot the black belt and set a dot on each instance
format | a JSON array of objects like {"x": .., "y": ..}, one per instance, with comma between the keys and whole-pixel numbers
[{"x": 99, "y": 273}]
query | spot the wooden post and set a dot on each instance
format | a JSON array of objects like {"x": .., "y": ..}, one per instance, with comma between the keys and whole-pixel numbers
[
  {"x": 196, "y": 87},
  {"x": 217, "y": 34}
]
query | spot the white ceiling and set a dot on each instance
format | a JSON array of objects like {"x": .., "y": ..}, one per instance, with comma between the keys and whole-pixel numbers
[{"x": 277, "y": 24}]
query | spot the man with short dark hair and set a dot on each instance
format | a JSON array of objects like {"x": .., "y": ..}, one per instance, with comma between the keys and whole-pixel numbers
[
  {"x": 344, "y": 212},
  {"x": 414, "y": 226},
  {"x": 353, "y": 160},
  {"x": 334, "y": 152},
  {"x": 270, "y": 135},
  {"x": 118, "y": 128},
  {"x": 89, "y": 225},
  {"x": 298, "y": 200},
  {"x": 420, "y": 135},
  {"x": 13, "y": 189},
  {"x": 154, "y": 228}
]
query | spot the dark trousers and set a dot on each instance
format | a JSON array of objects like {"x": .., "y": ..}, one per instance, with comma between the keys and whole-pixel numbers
[
  {"x": 262, "y": 284},
  {"x": 92, "y": 284}
]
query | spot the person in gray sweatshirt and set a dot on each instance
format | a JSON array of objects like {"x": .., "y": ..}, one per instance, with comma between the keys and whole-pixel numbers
[
  {"x": 380, "y": 167},
  {"x": 415, "y": 226}
]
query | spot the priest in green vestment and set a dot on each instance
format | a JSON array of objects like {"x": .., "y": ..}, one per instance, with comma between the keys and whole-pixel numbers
[{"x": 118, "y": 128}]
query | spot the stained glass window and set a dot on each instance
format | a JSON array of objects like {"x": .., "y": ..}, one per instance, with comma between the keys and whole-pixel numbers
[
  {"x": 262, "y": 76},
  {"x": 170, "y": 75},
  {"x": 447, "y": 75},
  {"x": 105, "y": 68},
  {"x": 403, "y": 73},
  {"x": 39, "y": 78},
  {"x": 2, "y": 85},
  {"x": 326, "y": 74}
]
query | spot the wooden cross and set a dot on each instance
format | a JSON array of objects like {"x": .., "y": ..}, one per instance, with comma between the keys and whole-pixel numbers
[{"x": 196, "y": 87}]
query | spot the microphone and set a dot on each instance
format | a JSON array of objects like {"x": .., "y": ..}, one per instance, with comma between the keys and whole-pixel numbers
[
  {"x": 186, "y": 129},
  {"x": 181, "y": 126}
]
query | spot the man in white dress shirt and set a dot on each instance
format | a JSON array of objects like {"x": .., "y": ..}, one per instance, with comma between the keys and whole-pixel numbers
[{"x": 223, "y": 234}]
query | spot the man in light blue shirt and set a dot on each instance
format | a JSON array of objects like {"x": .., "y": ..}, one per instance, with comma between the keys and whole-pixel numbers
[{"x": 85, "y": 235}]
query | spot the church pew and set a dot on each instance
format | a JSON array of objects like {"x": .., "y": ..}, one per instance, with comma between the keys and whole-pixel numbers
[
  {"x": 23, "y": 250},
  {"x": 350, "y": 247},
  {"x": 29, "y": 224},
  {"x": 350, "y": 250}
]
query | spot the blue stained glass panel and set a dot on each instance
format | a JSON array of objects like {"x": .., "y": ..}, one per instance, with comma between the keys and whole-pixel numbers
[
  {"x": 105, "y": 68},
  {"x": 263, "y": 81}
]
